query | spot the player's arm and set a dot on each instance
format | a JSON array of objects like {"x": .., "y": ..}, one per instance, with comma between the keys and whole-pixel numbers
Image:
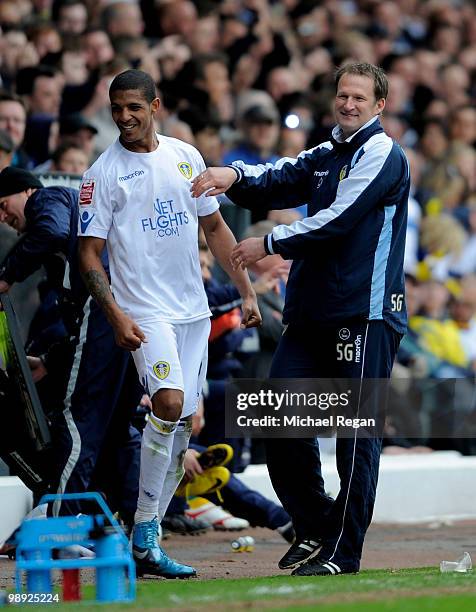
[
  {"x": 127, "y": 333},
  {"x": 221, "y": 242}
]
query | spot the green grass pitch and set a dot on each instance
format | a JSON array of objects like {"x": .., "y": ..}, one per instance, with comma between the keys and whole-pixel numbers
[{"x": 409, "y": 590}]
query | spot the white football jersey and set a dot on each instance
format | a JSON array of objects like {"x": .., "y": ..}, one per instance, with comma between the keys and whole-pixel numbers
[{"x": 141, "y": 204}]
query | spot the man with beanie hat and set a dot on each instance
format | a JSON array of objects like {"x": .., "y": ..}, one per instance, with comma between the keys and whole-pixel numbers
[
  {"x": 16, "y": 186},
  {"x": 87, "y": 367}
]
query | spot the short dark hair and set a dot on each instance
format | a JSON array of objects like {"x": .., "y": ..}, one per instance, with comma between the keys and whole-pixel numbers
[
  {"x": 200, "y": 62},
  {"x": 26, "y": 77},
  {"x": 8, "y": 96},
  {"x": 134, "y": 79},
  {"x": 376, "y": 73},
  {"x": 65, "y": 146}
]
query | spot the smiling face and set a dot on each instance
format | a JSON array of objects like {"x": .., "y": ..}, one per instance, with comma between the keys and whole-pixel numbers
[
  {"x": 355, "y": 102},
  {"x": 134, "y": 116},
  {"x": 12, "y": 210}
]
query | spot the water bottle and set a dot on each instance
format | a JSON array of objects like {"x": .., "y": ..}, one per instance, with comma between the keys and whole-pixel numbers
[
  {"x": 462, "y": 565},
  {"x": 243, "y": 544},
  {"x": 110, "y": 579}
]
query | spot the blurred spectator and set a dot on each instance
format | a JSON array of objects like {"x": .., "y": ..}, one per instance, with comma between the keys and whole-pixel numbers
[
  {"x": 45, "y": 38},
  {"x": 79, "y": 130},
  {"x": 211, "y": 75},
  {"x": 462, "y": 125},
  {"x": 260, "y": 129},
  {"x": 135, "y": 49},
  {"x": 122, "y": 19},
  {"x": 12, "y": 14},
  {"x": 6, "y": 149},
  {"x": 463, "y": 311},
  {"x": 441, "y": 177},
  {"x": 432, "y": 347},
  {"x": 74, "y": 130},
  {"x": 73, "y": 65},
  {"x": 207, "y": 141},
  {"x": 72, "y": 17},
  {"x": 41, "y": 87},
  {"x": 178, "y": 17},
  {"x": 281, "y": 81},
  {"x": 291, "y": 142},
  {"x": 205, "y": 36},
  {"x": 13, "y": 121},
  {"x": 454, "y": 85},
  {"x": 312, "y": 25},
  {"x": 466, "y": 263},
  {"x": 16, "y": 52},
  {"x": 442, "y": 240},
  {"x": 70, "y": 158},
  {"x": 97, "y": 48}
]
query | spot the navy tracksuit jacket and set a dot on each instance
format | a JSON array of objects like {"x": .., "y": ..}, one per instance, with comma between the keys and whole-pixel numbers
[
  {"x": 88, "y": 368},
  {"x": 346, "y": 286}
]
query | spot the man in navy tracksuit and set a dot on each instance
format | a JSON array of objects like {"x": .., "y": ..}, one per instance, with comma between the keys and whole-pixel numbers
[
  {"x": 87, "y": 368},
  {"x": 345, "y": 307}
]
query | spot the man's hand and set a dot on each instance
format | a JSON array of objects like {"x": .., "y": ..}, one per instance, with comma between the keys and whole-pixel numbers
[
  {"x": 191, "y": 465},
  {"x": 37, "y": 367},
  {"x": 214, "y": 181},
  {"x": 4, "y": 287},
  {"x": 251, "y": 316},
  {"x": 247, "y": 252},
  {"x": 127, "y": 333}
]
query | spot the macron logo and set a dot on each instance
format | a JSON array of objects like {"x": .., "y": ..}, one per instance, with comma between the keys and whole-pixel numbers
[{"x": 128, "y": 177}]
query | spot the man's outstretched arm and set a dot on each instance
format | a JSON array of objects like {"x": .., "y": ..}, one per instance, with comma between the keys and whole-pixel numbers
[
  {"x": 284, "y": 184},
  {"x": 127, "y": 333}
]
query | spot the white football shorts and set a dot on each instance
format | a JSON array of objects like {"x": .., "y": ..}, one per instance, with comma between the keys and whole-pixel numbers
[{"x": 174, "y": 357}]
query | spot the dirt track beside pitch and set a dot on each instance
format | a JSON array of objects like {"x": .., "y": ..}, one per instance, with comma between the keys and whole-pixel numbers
[{"x": 387, "y": 546}]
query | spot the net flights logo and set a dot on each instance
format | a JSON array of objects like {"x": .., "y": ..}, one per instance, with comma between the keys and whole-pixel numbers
[{"x": 167, "y": 221}]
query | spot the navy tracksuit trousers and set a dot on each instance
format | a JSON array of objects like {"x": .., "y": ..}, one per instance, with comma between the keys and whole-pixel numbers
[
  {"x": 93, "y": 431},
  {"x": 294, "y": 464}
]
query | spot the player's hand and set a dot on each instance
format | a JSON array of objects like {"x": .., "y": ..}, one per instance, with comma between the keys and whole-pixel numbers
[
  {"x": 251, "y": 316},
  {"x": 247, "y": 252},
  {"x": 37, "y": 367},
  {"x": 145, "y": 401},
  {"x": 214, "y": 181},
  {"x": 128, "y": 334}
]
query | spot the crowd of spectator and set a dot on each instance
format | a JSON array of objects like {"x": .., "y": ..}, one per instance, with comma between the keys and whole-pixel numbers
[{"x": 253, "y": 80}]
